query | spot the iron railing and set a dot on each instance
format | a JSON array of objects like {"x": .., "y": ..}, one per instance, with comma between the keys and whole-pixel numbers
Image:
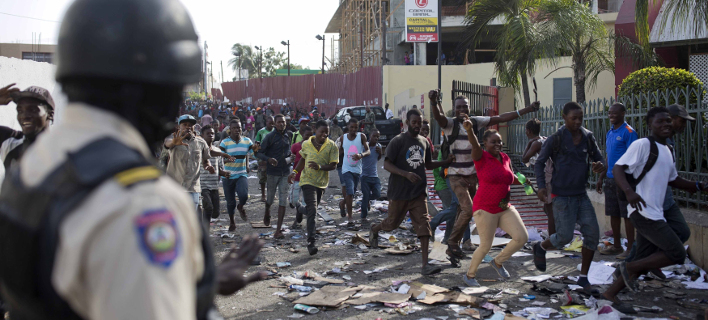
[{"x": 691, "y": 149}]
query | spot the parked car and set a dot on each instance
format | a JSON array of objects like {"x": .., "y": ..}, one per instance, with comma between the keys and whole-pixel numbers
[{"x": 388, "y": 128}]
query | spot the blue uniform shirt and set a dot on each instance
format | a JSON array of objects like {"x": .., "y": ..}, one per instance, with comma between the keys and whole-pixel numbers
[{"x": 617, "y": 142}]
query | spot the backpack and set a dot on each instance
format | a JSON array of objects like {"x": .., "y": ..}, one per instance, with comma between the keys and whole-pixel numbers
[
  {"x": 558, "y": 139},
  {"x": 446, "y": 147},
  {"x": 651, "y": 161}
]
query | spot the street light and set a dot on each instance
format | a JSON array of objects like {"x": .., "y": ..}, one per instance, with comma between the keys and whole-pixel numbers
[
  {"x": 260, "y": 60},
  {"x": 287, "y": 44},
  {"x": 322, "y": 37}
]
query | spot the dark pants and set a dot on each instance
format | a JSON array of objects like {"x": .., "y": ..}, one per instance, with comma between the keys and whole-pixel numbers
[
  {"x": 449, "y": 214},
  {"x": 371, "y": 189},
  {"x": 312, "y": 196},
  {"x": 655, "y": 235},
  {"x": 231, "y": 188},
  {"x": 677, "y": 223},
  {"x": 210, "y": 203}
]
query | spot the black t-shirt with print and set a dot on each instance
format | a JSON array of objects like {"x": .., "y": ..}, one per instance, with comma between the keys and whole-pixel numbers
[{"x": 408, "y": 154}]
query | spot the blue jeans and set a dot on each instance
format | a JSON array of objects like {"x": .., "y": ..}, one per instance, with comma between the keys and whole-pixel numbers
[
  {"x": 449, "y": 215},
  {"x": 231, "y": 188},
  {"x": 350, "y": 180},
  {"x": 195, "y": 198},
  {"x": 568, "y": 211},
  {"x": 371, "y": 188}
]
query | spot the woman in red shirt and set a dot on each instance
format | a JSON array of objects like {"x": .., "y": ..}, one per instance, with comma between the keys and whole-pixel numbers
[{"x": 490, "y": 206}]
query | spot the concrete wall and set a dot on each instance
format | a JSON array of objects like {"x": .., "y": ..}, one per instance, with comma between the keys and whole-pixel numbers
[
  {"x": 697, "y": 222},
  {"x": 422, "y": 79}
]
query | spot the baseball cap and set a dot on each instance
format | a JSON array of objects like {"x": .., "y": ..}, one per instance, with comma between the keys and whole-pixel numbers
[
  {"x": 187, "y": 117},
  {"x": 34, "y": 92},
  {"x": 303, "y": 120},
  {"x": 677, "y": 110}
]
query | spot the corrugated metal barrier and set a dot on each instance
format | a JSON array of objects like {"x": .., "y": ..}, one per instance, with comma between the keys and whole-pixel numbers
[{"x": 329, "y": 92}]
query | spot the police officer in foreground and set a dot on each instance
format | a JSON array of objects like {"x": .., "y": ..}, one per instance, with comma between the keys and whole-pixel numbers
[{"x": 89, "y": 228}]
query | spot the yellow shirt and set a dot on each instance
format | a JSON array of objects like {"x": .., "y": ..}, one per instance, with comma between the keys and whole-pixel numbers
[{"x": 327, "y": 154}]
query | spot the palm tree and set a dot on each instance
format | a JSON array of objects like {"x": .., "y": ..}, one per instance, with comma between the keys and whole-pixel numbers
[
  {"x": 571, "y": 28},
  {"x": 515, "y": 39},
  {"x": 690, "y": 15},
  {"x": 244, "y": 58}
]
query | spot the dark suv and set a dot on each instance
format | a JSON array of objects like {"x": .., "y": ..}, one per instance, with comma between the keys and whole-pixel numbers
[{"x": 388, "y": 128}]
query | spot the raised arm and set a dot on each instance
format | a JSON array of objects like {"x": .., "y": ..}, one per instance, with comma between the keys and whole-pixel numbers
[
  {"x": 472, "y": 138},
  {"x": 438, "y": 112},
  {"x": 511, "y": 115}
]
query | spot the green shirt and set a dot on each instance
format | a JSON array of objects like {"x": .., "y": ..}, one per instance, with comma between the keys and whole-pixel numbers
[
  {"x": 262, "y": 133},
  {"x": 437, "y": 173},
  {"x": 327, "y": 154}
]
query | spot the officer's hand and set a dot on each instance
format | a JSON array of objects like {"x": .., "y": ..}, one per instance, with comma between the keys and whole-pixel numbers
[
  {"x": 230, "y": 273},
  {"x": 5, "y": 94}
]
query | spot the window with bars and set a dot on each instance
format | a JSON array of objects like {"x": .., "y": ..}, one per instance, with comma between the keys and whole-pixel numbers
[{"x": 37, "y": 56}]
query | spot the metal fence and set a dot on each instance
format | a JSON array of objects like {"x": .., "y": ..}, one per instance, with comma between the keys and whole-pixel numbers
[
  {"x": 691, "y": 149},
  {"x": 330, "y": 92}
]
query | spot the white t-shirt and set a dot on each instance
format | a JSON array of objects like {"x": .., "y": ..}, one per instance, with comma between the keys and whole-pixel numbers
[
  {"x": 389, "y": 114},
  {"x": 462, "y": 149},
  {"x": 653, "y": 186}
]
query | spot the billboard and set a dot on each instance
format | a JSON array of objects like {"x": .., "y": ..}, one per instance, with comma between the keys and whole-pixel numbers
[{"x": 422, "y": 20}]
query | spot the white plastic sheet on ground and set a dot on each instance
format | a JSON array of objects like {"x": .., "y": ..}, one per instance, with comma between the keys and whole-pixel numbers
[{"x": 600, "y": 272}]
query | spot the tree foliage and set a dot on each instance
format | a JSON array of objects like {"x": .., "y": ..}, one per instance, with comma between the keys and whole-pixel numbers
[
  {"x": 653, "y": 79},
  {"x": 266, "y": 61},
  {"x": 687, "y": 15}
]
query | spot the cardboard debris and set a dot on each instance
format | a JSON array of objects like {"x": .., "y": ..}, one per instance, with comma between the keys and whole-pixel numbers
[
  {"x": 496, "y": 243},
  {"x": 418, "y": 288},
  {"x": 328, "y": 296},
  {"x": 474, "y": 290},
  {"x": 398, "y": 251},
  {"x": 452, "y": 297},
  {"x": 259, "y": 225},
  {"x": 325, "y": 216},
  {"x": 381, "y": 297},
  {"x": 332, "y": 281},
  {"x": 438, "y": 252},
  {"x": 357, "y": 239}
]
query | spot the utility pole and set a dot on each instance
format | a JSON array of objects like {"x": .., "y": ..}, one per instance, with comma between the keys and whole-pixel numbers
[
  {"x": 222, "y": 70},
  {"x": 436, "y": 128},
  {"x": 205, "y": 68},
  {"x": 288, "y": 45},
  {"x": 384, "y": 20},
  {"x": 322, "y": 38}
]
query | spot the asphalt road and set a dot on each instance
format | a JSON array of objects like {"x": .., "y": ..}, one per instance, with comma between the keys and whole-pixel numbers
[{"x": 258, "y": 301}]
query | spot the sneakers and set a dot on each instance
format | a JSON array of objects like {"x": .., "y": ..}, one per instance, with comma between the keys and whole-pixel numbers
[
  {"x": 430, "y": 269},
  {"x": 539, "y": 257},
  {"x": 373, "y": 239},
  {"x": 500, "y": 270},
  {"x": 611, "y": 251},
  {"x": 468, "y": 246},
  {"x": 454, "y": 251},
  {"x": 470, "y": 282}
]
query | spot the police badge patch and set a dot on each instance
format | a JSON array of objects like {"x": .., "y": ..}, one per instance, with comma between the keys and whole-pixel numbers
[{"x": 158, "y": 236}]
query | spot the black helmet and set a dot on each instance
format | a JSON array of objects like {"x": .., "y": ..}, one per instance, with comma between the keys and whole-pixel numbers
[{"x": 146, "y": 41}]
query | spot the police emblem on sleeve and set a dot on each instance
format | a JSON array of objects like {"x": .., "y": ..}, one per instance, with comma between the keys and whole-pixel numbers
[{"x": 158, "y": 237}]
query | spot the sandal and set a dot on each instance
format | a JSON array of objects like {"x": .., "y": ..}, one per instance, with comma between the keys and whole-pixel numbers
[
  {"x": 266, "y": 220},
  {"x": 455, "y": 251},
  {"x": 278, "y": 236}
]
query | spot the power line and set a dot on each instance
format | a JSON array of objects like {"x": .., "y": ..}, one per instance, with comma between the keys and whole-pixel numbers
[{"x": 14, "y": 15}]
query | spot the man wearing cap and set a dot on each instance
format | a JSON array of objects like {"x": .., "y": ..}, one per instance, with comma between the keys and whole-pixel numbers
[
  {"x": 297, "y": 136},
  {"x": 188, "y": 153},
  {"x": 35, "y": 110}
]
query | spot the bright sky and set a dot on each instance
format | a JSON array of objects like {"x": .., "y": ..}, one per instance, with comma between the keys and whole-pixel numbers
[{"x": 220, "y": 23}]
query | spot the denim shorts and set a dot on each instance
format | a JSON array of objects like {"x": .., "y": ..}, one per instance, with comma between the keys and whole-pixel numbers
[
  {"x": 350, "y": 181},
  {"x": 567, "y": 211},
  {"x": 614, "y": 207}
]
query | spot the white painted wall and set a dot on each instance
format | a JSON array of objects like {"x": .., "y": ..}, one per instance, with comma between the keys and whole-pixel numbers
[{"x": 28, "y": 73}]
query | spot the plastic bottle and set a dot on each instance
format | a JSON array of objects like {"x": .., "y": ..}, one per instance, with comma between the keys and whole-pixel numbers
[
  {"x": 299, "y": 288},
  {"x": 308, "y": 309},
  {"x": 527, "y": 186}
]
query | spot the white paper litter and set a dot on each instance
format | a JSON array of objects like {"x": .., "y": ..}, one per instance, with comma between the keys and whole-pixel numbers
[
  {"x": 600, "y": 273},
  {"x": 497, "y": 241},
  {"x": 520, "y": 254},
  {"x": 539, "y": 278}
]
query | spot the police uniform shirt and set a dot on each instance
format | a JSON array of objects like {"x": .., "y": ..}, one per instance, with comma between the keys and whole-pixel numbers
[{"x": 124, "y": 253}]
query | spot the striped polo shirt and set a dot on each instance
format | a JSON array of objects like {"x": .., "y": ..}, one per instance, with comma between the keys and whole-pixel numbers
[
  {"x": 239, "y": 151},
  {"x": 462, "y": 149}
]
